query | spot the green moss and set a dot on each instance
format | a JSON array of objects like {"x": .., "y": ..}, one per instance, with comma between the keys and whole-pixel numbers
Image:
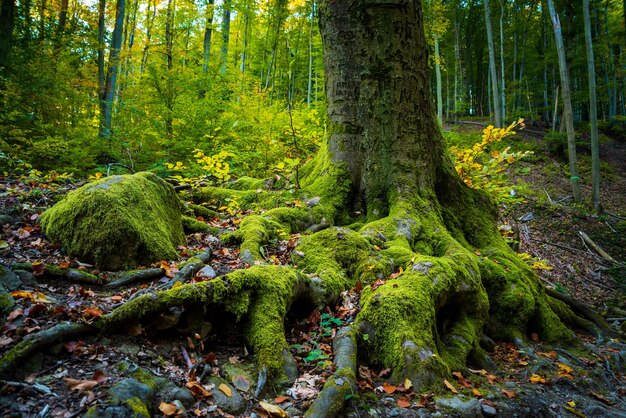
[
  {"x": 6, "y": 302},
  {"x": 203, "y": 211},
  {"x": 138, "y": 408},
  {"x": 146, "y": 378},
  {"x": 334, "y": 255},
  {"x": 246, "y": 183},
  {"x": 192, "y": 225},
  {"x": 54, "y": 270},
  {"x": 118, "y": 221}
]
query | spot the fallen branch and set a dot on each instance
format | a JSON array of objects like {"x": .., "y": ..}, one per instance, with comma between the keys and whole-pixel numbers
[{"x": 596, "y": 247}]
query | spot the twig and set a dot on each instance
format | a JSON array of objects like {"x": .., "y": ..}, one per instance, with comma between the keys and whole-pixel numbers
[
  {"x": 186, "y": 357},
  {"x": 565, "y": 247},
  {"x": 615, "y": 215},
  {"x": 548, "y": 195}
]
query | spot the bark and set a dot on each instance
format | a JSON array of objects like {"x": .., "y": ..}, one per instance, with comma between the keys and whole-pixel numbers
[
  {"x": 438, "y": 74},
  {"x": 497, "y": 109},
  {"x": 310, "y": 79},
  {"x": 567, "y": 104},
  {"x": 225, "y": 35},
  {"x": 593, "y": 111},
  {"x": 150, "y": 16},
  {"x": 106, "y": 101},
  {"x": 503, "y": 91},
  {"x": 101, "y": 46}
]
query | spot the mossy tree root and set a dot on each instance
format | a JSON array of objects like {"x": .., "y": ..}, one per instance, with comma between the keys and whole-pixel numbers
[{"x": 342, "y": 384}]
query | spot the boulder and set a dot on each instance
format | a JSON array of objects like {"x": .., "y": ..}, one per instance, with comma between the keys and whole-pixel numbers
[{"x": 118, "y": 222}]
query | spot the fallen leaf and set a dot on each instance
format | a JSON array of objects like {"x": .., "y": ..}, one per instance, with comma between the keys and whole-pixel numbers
[
  {"x": 602, "y": 398},
  {"x": 535, "y": 378},
  {"x": 5, "y": 341},
  {"x": 571, "y": 404},
  {"x": 408, "y": 384},
  {"x": 92, "y": 311},
  {"x": 458, "y": 375},
  {"x": 226, "y": 389},
  {"x": 241, "y": 383},
  {"x": 281, "y": 399},
  {"x": 99, "y": 376},
  {"x": 388, "y": 388},
  {"x": 509, "y": 393},
  {"x": 477, "y": 393},
  {"x": 450, "y": 386},
  {"x": 64, "y": 265},
  {"x": 198, "y": 390},
  {"x": 384, "y": 372},
  {"x": 273, "y": 410},
  {"x": 16, "y": 313},
  {"x": 3, "y": 244},
  {"x": 404, "y": 403},
  {"x": 168, "y": 409},
  {"x": 80, "y": 385}
]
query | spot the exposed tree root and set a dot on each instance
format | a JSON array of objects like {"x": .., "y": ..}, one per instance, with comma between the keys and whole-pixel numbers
[{"x": 342, "y": 384}]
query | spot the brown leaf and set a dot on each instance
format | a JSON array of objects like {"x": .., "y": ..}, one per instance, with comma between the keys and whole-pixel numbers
[
  {"x": 80, "y": 385},
  {"x": 241, "y": 383},
  {"x": 477, "y": 393},
  {"x": 4, "y": 341},
  {"x": 509, "y": 393},
  {"x": 281, "y": 399},
  {"x": 450, "y": 386},
  {"x": 64, "y": 265},
  {"x": 92, "y": 311},
  {"x": 602, "y": 398},
  {"x": 99, "y": 376},
  {"x": 458, "y": 375},
  {"x": 198, "y": 390},
  {"x": 16, "y": 313},
  {"x": 168, "y": 409}
]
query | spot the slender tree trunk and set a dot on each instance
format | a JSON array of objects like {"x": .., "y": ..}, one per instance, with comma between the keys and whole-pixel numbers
[
  {"x": 438, "y": 74},
  {"x": 206, "y": 46},
  {"x": 503, "y": 92},
  {"x": 7, "y": 19},
  {"x": 101, "y": 46},
  {"x": 244, "y": 48},
  {"x": 106, "y": 109},
  {"x": 593, "y": 112},
  {"x": 169, "y": 55},
  {"x": 150, "y": 16},
  {"x": 567, "y": 104},
  {"x": 310, "y": 79},
  {"x": 225, "y": 35},
  {"x": 497, "y": 110},
  {"x": 28, "y": 21}
]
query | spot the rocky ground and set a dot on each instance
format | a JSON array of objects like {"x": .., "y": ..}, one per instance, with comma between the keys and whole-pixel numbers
[{"x": 176, "y": 372}]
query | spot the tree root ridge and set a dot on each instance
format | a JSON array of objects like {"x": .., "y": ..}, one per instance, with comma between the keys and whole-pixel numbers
[{"x": 342, "y": 384}]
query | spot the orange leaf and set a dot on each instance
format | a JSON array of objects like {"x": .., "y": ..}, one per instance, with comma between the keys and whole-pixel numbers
[
  {"x": 198, "y": 390},
  {"x": 458, "y": 375},
  {"x": 477, "y": 393},
  {"x": 509, "y": 393},
  {"x": 168, "y": 409},
  {"x": 535, "y": 378},
  {"x": 281, "y": 399},
  {"x": 450, "y": 386},
  {"x": 99, "y": 376},
  {"x": 389, "y": 388},
  {"x": 93, "y": 311},
  {"x": 404, "y": 403}
]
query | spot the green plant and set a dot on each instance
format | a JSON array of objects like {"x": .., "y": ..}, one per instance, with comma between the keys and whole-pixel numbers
[{"x": 483, "y": 167}]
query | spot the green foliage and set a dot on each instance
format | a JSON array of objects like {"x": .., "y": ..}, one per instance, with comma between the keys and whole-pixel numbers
[{"x": 483, "y": 167}]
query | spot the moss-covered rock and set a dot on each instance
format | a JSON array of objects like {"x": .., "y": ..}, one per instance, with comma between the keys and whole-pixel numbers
[{"x": 118, "y": 222}]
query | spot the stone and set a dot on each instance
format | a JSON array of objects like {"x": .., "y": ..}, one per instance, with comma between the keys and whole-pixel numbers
[
  {"x": 207, "y": 272},
  {"x": 26, "y": 277},
  {"x": 7, "y": 303},
  {"x": 488, "y": 410},
  {"x": 247, "y": 257},
  {"x": 171, "y": 392},
  {"x": 462, "y": 408},
  {"x": 135, "y": 395},
  {"x": 118, "y": 222},
  {"x": 234, "y": 404},
  {"x": 8, "y": 279}
]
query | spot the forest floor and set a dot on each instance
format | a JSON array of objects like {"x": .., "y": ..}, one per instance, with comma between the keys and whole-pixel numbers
[{"x": 540, "y": 381}]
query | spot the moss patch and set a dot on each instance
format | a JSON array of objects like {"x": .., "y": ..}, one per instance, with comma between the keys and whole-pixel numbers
[{"x": 118, "y": 222}]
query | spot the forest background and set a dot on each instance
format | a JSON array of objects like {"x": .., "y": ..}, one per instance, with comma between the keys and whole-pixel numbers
[{"x": 236, "y": 87}]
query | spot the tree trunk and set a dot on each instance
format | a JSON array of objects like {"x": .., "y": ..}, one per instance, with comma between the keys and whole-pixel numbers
[
  {"x": 101, "y": 30},
  {"x": 106, "y": 101},
  {"x": 169, "y": 55},
  {"x": 438, "y": 74},
  {"x": 503, "y": 90},
  {"x": 567, "y": 104},
  {"x": 225, "y": 35},
  {"x": 208, "y": 31},
  {"x": 7, "y": 19},
  {"x": 593, "y": 111},
  {"x": 310, "y": 78},
  {"x": 497, "y": 110},
  {"x": 150, "y": 16}
]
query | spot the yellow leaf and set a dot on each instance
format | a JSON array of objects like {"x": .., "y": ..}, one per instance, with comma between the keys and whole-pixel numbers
[
  {"x": 408, "y": 384},
  {"x": 273, "y": 410},
  {"x": 227, "y": 390},
  {"x": 535, "y": 378},
  {"x": 571, "y": 404},
  {"x": 477, "y": 393},
  {"x": 168, "y": 409},
  {"x": 450, "y": 386},
  {"x": 564, "y": 369}
]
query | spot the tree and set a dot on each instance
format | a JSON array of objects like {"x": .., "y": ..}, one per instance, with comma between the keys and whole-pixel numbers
[
  {"x": 7, "y": 17},
  {"x": 497, "y": 110},
  {"x": 107, "y": 98},
  {"x": 567, "y": 104},
  {"x": 593, "y": 111},
  {"x": 386, "y": 204}
]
